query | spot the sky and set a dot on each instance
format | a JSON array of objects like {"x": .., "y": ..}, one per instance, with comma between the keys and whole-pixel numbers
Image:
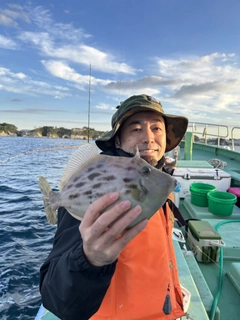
[{"x": 61, "y": 58}]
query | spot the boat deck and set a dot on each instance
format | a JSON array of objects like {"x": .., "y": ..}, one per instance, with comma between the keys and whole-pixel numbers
[{"x": 206, "y": 275}]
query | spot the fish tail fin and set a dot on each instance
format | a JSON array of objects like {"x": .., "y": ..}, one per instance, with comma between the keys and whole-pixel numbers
[
  {"x": 44, "y": 186},
  {"x": 46, "y": 191}
]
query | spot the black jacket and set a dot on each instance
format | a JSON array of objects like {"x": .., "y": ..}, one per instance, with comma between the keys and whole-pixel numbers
[{"x": 72, "y": 288}]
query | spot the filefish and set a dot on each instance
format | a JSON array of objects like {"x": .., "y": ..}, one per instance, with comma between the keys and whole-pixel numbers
[{"x": 89, "y": 175}]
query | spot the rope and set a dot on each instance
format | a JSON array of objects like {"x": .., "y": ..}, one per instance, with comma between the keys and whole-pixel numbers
[{"x": 216, "y": 163}]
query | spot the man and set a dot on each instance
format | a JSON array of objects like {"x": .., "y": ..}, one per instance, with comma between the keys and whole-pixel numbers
[{"x": 91, "y": 272}]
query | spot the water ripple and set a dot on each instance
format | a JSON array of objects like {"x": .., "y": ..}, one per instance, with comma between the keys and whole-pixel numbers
[{"x": 25, "y": 235}]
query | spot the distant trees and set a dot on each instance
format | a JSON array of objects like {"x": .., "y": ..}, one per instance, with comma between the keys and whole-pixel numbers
[
  {"x": 91, "y": 132},
  {"x": 63, "y": 132},
  {"x": 8, "y": 128},
  {"x": 53, "y": 131},
  {"x": 47, "y": 131}
]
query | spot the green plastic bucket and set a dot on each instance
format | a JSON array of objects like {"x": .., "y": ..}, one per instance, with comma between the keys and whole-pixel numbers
[
  {"x": 221, "y": 203},
  {"x": 199, "y": 193}
]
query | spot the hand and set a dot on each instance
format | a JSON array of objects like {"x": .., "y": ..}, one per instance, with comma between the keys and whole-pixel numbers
[{"x": 102, "y": 244}]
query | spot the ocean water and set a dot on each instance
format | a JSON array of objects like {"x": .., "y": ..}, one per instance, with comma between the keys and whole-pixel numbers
[{"x": 25, "y": 235}]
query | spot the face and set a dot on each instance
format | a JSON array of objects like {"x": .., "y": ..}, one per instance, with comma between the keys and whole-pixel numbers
[{"x": 147, "y": 131}]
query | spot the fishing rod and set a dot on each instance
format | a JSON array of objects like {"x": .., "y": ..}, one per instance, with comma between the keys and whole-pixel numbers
[{"x": 89, "y": 102}]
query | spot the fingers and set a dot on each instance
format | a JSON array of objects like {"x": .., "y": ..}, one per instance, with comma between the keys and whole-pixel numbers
[
  {"x": 105, "y": 235},
  {"x": 105, "y": 250},
  {"x": 97, "y": 222},
  {"x": 123, "y": 220}
]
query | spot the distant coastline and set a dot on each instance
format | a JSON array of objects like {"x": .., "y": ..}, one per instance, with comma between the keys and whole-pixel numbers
[{"x": 10, "y": 130}]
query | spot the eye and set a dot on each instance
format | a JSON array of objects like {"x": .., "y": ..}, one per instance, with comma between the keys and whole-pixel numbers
[
  {"x": 136, "y": 129},
  {"x": 146, "y": 170},
  {"x": 158, "y": 129}
]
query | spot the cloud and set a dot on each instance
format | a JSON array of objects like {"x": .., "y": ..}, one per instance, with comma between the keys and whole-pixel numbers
[
  {"x": 22, "y": 84},
  {"x": 9, "y": 17},
  {"x": 16, "y": 100},
  {"x": 32, "y": 111},
  {"x": 63, "y": 47},
  {"x": 60, "y": 40},
  {"x": 103, "y": 106},
  {"x": 76, "y": 53},
  {"x": 205, "y": 89},
  {"x": 210, "y": 83},
  {"x": 144, "y": 83},
  {"x": 199, "y": 70},
  {"x": 61, "y": 70},
  {"x": 63, "y": 41},
  {"x": 7, "y": 43},
  {"x": 60, "y": 31},
  {"x": 152, "y": 85},
  {"x": 195, "y": 85},
  {"x": 7, "y": 21}
]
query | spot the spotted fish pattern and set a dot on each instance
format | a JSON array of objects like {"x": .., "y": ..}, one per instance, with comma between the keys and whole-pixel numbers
[{"x": 90, "y": 175}]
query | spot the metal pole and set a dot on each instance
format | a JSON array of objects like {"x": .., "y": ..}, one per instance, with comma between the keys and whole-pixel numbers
[{"x": 89, "y": 102}]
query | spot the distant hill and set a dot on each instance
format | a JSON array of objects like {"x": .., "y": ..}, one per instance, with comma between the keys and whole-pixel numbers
[{"x": 7, "y": 129}]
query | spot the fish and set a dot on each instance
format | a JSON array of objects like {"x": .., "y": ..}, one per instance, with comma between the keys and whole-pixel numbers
[{"x": 89, "y": 175}]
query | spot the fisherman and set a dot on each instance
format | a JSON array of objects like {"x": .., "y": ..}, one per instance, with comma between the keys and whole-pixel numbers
[{"x": 99, "y": 272}]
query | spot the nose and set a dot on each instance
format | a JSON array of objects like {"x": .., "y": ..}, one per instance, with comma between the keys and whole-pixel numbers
[{"x": 148, "y": 135}]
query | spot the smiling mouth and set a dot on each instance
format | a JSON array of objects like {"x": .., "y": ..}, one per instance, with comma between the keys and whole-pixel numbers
[{"x": 147, "y": 150}]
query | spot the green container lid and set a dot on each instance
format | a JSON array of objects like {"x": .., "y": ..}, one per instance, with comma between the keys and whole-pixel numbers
[
  {"x": 203, "y": 230},
  {"x": 200, "y": 187}
]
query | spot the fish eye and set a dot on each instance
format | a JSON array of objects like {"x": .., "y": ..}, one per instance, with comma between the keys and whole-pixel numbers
[{"x": 146, "y": 170}]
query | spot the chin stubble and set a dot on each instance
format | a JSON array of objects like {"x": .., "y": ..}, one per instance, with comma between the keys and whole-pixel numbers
[{"x": 152, "y": 161}]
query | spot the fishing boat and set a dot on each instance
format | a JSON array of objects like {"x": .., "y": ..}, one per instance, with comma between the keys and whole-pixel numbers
[{"x": 208, "y": 247}]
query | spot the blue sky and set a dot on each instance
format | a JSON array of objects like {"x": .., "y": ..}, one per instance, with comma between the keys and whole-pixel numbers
[{"x": 186, "y": 53}]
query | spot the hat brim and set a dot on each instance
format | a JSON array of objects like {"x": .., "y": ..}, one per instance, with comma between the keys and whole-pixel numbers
[{"x": 176, "y": 127}]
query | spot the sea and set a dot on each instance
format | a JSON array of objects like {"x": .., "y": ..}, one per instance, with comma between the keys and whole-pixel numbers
[{"x": 25, "y": 235}]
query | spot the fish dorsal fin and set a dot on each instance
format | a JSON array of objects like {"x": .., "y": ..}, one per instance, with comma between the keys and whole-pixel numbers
[
  {"x": 137, "y": 153},
  {"x": 78, "y": 159}
]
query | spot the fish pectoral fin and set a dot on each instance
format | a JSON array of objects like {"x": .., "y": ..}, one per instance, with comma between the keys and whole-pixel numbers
[
  {"x": 142, "y": 196},
  {"x": 138, "y": 195},
  {"x": 143, "y": 192}
]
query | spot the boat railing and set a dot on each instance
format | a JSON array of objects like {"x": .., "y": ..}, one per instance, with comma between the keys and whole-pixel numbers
[
  {"x": 215, "y": 134},
  {"x": 235, "y": 132}
]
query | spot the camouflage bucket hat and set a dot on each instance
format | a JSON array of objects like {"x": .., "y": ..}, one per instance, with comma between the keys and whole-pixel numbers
[{"x": 176, "y": 126}]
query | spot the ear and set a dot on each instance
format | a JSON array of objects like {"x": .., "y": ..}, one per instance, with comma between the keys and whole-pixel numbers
[{"x": 117, "y": 142}]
